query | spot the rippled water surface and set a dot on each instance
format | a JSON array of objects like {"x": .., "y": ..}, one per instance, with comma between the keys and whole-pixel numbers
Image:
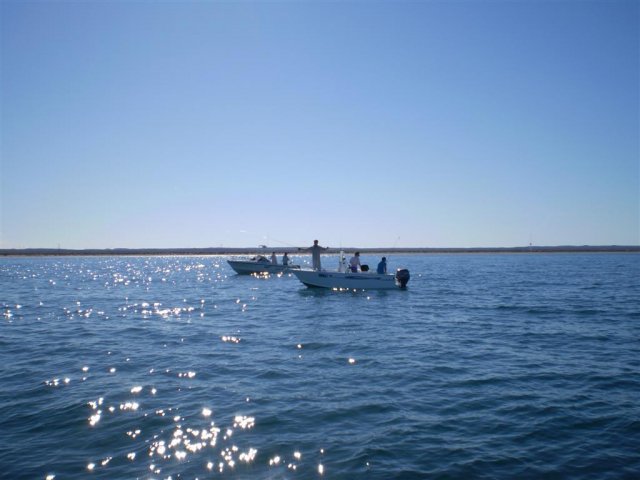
[{"x": 487, "y": 366}]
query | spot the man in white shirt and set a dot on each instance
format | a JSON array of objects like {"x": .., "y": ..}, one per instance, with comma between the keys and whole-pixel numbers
[{"x": 315, "y": 254}]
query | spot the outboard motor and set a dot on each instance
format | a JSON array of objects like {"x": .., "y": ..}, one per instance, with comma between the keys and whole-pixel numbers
[{"x": 402, "y": 277}]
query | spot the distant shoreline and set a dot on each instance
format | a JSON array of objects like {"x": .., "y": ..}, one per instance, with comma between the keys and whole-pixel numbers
[{"x": 47, "y": 252}]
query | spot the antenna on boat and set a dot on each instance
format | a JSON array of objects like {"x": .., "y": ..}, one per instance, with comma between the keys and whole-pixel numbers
[{"x": 342, "y": 262}]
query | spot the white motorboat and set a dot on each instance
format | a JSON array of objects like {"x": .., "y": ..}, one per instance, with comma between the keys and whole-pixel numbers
[
  {"x": 353, "y": 280},
  {"x": 259, "y": 265},
  {"x": 345, "y": 279}
]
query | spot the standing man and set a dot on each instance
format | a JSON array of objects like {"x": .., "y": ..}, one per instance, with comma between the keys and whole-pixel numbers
[{"x": 315, "y": 254}]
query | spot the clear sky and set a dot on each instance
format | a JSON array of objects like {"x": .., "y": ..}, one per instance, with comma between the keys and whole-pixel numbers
[{"x": 366, "y": 124}]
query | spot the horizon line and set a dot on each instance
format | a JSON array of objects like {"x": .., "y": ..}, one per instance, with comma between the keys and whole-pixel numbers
[{"x": 39, "y": 251}]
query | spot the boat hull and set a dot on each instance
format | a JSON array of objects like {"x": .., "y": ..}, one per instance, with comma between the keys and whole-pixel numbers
[
  {"x": 246, "y": 267},
  {"x": 347, "y": 280}
]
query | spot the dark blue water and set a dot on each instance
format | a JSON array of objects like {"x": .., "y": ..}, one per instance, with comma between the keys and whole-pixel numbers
[{"x": 488, "y": 366}]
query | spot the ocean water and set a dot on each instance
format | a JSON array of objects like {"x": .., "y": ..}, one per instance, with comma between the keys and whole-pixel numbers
[{"x": 487, "y": 366}]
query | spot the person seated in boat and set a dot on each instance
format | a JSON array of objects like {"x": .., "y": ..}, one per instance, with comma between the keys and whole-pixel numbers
[
  {"x": 285, "y": 259},
  {"x": 354, "y": 262},
  {"x": 382, "y": 266},
  {"x": 274, "y": 259},
  {"x": 262, "y": 259}
]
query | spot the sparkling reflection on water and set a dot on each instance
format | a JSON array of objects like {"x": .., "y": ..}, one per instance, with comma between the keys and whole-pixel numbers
[{"x": 175, "y": 367}]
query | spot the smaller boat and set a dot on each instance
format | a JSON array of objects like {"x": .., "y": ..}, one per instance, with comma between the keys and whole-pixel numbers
[
  {"x": 345, "y": 279},
  {"x": 259, "y": 264}
]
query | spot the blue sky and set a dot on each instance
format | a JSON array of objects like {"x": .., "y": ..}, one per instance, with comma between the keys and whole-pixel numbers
[{"x": 367, "y": 124}]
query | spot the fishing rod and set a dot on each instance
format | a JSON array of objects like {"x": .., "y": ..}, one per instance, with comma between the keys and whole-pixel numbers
[
  {"x": 393, "y": 248},
  {"x": 267, "y": 237}
]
